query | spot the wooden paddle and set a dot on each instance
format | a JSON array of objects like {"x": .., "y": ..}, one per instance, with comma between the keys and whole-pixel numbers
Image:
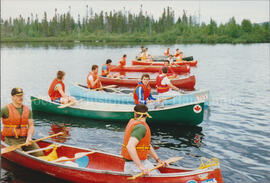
[
  {"x": 69, "y": 104},
  {"x": 77, "y": 156},
  {"x": 170, "y": 160},
  {"x": 109, "y": 86},
  {"x": 14, "y": 147}
]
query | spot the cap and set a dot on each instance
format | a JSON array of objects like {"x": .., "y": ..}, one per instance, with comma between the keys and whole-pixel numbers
[{"x": 16, "y": 91}]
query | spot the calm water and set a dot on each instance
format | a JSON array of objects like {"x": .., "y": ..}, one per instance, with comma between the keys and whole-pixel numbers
[{"x": 237, "y": 129}]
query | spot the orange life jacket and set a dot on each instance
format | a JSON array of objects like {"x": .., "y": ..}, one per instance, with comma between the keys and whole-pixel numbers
[
  {"x": 167, "y": 52},
  {"x": 146, "y": 92},
  {"x": 161, "y": 88},
  {"x": 123, "y": 61},
  {"x": 143, "y": 57},
  {"x": 97, "y": 85},
  {"x": 105, "y": 72},
  {"x": 143, "y": 147},
  {"x": 16, "y": 125},
  {"x": 55, "y": 94}
]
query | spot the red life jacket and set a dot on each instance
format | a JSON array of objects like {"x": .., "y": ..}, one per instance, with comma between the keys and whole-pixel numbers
[
  {"x": 105, "y": 72},
  {"x": 55, "y": 94},
  {"x": 143, "y": 147},
  {"x": 97, "y": 85},
  {"x": 161, "y": 88},
  {"x": 167, "y": 52},
  {"x": 123, "y": 61},
  {"x": 146, "y": 92},
  {"x": 16, "y": 125}
]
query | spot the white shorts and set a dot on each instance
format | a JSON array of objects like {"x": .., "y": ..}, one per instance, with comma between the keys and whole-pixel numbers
[{"x": 132, "y": 168}]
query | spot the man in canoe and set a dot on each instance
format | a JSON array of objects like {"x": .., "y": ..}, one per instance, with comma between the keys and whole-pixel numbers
[
  {"x": 142, "y": 93},
  {"x": 93, "y": 81},
  {"x": 137, "y": 143},
  {"x": 178, "y": 55},
  {"x": 123, "y": 61},
  {"x": 18, "y": 124},
  {"x": 105, "y": 70},
  {"x": 57, "y": 90},
  {"x": 170, "y": 73},
  {"x": 164, "y": 84}
]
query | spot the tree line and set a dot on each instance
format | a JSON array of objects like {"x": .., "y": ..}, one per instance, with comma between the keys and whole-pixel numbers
[{"x": 122, "y": 26}]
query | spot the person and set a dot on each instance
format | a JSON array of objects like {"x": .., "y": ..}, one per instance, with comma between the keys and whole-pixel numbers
[
  {"x": 18, "y": 124},
  {"x": 122, "y": 61},
  {"x": 93, "y": 81},
  {"x": 105, "y": 70},
  {"x": 57, "y": 90},
  {"x": 148, "y": 56},
  {"x": 171, "y": 74},
  {"x": 170, "y": 59},
  {"x": 144, "y": 56},
  {"x": 164, "y": 84},
  {"x": 142, "y": 94},
  {"x": 137, "y": 144},
  {"x": 178, "y": 56},
  {"x": 140, "y": 53},
  {"x": 167, "y": 52}
]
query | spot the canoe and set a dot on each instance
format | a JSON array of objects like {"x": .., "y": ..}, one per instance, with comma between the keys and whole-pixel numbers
[
  {"x": 102, "y": 167},
  {"x": 163, "y": 58},
  {"x": 181, "y": 114},
  {"x": 183, "y": 83},
  {"x": 151, "y": 68},
  {"x": 125, "y": 96},
  {"x": 160, "y": 63}
]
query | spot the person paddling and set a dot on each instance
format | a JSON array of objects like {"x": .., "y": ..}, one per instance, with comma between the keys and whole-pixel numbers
[
  {"x": 123, "y": 61},
  {"x": 137, "y": 144},
  {"x": 93, "y": 81},
  {"x": 18, "y": 124},
  {"x": 171, "y": 74},
  {"x": 164, "y": 84},
  {"x": 105, "y": 70},
  {"x": 142, "y": 93},
  {"x": 57, "y": 90}
]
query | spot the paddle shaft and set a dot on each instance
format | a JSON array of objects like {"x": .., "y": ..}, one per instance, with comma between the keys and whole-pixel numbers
[
  {"x": 109, "y": 86},
  {"x": 14, "y": 147}
]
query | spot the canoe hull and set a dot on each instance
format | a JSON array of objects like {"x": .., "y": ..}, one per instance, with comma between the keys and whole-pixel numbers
[
  {"x": 149, "y": 68},
  {"x": 176, "y": 115},
  {"x": 190, "y": 63},
  {"x": 185, "y": 83},
  {"x": 104, "y": 168}
]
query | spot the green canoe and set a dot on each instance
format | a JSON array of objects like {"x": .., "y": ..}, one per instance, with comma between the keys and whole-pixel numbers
[{"x": 186, "y": 114}]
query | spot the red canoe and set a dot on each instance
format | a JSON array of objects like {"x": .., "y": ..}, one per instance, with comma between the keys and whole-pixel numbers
[
  {"x": 190, "y": 63},
  {"x": 101, "y": 167},
  {"x": 185, "y": 83},
  {"x": 150, "y": 68}
]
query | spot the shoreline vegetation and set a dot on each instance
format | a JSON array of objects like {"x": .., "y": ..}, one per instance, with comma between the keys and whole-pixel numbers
[{"x": 122, "y": 26}]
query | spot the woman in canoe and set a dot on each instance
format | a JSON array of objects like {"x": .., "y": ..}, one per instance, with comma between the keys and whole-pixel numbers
[
  {"x": 105, "y": 70},
  {"x": 18, "y": 124},
  {"x": 123, "y": 61},
  {"x": 57, "y": 90},
  {"x": 137, "y": 143},
  {"x": 93, "y": 81}
]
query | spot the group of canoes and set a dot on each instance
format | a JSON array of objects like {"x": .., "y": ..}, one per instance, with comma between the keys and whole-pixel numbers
[{"x": 86, "y": 165}]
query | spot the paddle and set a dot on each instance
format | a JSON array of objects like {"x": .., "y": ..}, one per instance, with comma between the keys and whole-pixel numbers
[
  {"x": 14, "y": 147},
  {"x": 109, "y": 86},
  {"x": 77, "y": 156},
  {"x": 69, "y": 104},
  {"x": 170, "y": 160}
]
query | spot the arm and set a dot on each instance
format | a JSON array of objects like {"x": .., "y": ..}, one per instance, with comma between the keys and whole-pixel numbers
[
  {"x": 131, "y": 147},
  {"x": 154, "y": 155},
  {"x": 151, "y": 97},
  {"x": 59, "y": 88},
  {"x": 173, "y": 87},
  {"x": 94, "y": 82},
  {"x": 30, "y": 131}
]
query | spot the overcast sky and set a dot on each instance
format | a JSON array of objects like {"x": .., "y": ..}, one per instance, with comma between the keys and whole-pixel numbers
[{"x": 221, "y": 11}]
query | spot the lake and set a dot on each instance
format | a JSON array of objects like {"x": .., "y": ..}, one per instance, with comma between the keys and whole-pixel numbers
[{"x": 236, "y": 129}]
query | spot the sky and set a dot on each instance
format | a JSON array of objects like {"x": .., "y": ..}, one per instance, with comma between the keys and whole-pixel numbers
[{"x": 256, "y": 11}]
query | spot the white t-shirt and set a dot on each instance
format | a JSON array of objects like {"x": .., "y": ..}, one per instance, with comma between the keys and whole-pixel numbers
[{"x": 165, "y": 81}]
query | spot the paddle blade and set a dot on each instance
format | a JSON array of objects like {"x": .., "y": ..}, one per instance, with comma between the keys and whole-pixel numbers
[{"x": 173, "y": 159}]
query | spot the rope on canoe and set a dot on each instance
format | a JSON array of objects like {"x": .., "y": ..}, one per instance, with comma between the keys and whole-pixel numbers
[{"x": 205, "y": 162}]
